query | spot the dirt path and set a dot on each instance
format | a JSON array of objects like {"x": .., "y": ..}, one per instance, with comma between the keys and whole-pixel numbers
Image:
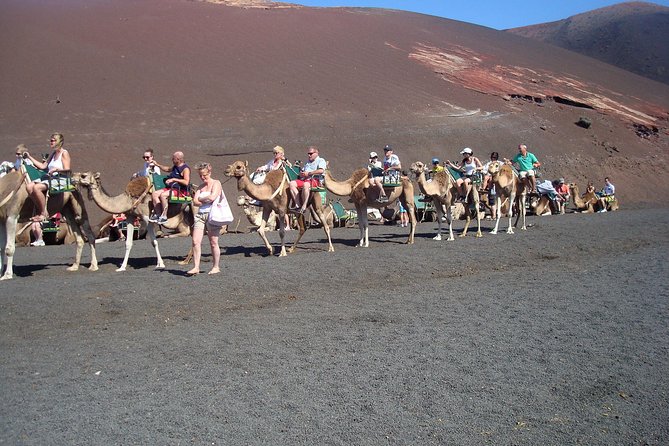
[{"x": 556, "y": 335}]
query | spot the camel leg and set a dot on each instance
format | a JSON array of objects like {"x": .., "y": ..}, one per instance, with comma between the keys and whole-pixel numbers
[
  {"x": 129, "y": 234},
  {"x": 477, "y": 207},
  {"x": 512, "y": 199},
  {"x": 522, "y": 211},
  {"x": 263, "y": 236},
  {"x": 151, "y": 234},
  {"x": 363, "y": 224},
  {"x": 3, "y": 241},
  {"x": 498, "y": 212},
  {"x": 79, "y": 248},
  {"x": 302, "y": 229},
  {"x": 326, "y": 228},
  {"x": 439, "y": 209},
  {"x": 467, "y": 222},
  {"x": 88, "y": 231},
  {"x": 8, "y": 245},
  {"x": 413, "y": 221}
]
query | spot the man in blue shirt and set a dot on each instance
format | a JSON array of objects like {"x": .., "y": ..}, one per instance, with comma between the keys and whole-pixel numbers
[
  {"x": 526, "y": 162},
  {"x": 310, "y": 176}
]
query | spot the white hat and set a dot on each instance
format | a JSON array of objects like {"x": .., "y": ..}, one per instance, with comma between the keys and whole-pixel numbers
[
  {"x": 373, "y": 154},
  {"x": 466, "y": 150}
]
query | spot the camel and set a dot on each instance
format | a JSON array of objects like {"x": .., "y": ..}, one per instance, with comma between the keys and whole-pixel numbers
[
  {"x": 442, "y": 190},
  {"x": 273, "y": 195},
  {"x": 508, "y": 188},
  {"x": 13, "y": 195},
  {"x": 69, "y": 204},
  {"x": 363, "y": 196},
  {"x": 253, "y": 216},
  {"x": 134, "y": 202},
  {"x": 589, "y": 201}
]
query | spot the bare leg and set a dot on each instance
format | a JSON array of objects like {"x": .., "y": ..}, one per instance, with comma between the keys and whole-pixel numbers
[
  {"x": 294, "y": 193},
  {"x": 215, "y": 250},
  {"x": 163, "y": 202},
  {"x": 197, "y": 251},
  {"x": 37, "y": 192},
  {"x": 305, "y": 197}
]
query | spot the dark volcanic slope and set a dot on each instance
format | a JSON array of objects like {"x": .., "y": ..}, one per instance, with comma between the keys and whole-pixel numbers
[
  {"x": 633, "y": 36},
  {"x": 224, "y": 83}
]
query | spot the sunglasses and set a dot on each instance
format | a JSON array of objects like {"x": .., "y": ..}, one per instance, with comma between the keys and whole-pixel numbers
[
  {"x": 311, "y": 153},
  {"x": 146, "y": 157}
]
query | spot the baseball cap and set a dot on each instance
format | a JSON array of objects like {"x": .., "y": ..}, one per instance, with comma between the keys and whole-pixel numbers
[
  {"x": 561, "y": 181},
  {"x": 373, "y": 155},
  {"x": 435, "y": 161},
  {"x": 466, "y": 150},
  {"x": 387, "y": 147}
]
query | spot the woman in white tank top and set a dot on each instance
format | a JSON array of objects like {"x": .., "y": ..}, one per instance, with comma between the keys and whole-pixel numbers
[
  {"x": 206, "y": 195},
  {"x": 58, "y": 161},
  {"x": 470, "y": 165}
]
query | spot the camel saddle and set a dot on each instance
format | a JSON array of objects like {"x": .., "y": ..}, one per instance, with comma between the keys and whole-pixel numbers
[{"x": 138, "y": 187}]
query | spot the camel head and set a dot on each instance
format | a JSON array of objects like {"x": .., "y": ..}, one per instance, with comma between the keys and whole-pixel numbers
[
  {"x": 237, "y": 169},
  {"x": 86, "y": 179},
  {"x": 417, "y": 168},
  {"x": 494, "y": 167}
]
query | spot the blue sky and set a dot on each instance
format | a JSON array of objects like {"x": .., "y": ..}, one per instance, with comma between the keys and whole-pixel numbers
[{"x": 498, "y": 14}]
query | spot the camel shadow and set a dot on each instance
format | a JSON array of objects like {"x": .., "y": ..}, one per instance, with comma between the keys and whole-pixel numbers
[
  {"x": 248, "y": 251},
  {"x": 30, "y": 270}
]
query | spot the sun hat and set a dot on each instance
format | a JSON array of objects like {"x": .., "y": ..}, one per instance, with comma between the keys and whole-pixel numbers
[
  {"x": 435, "y": 160},
  {"x": 373, "y": 155},
  {"x": 466, "y": 150},
  {"x": 387, "y": 147}
]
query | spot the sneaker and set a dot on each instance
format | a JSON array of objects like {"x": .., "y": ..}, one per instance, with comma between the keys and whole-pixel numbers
[
  {"x": 161, "y": 220},
  {"x": 38, "y": 243},
  {"x": 382, "y": 199},
  {"x": 153, "y": 218},
  {"x": 603, "y": 210}
]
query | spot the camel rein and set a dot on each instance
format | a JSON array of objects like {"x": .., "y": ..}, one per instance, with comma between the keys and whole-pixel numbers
[{"x": 278, "y": 190}]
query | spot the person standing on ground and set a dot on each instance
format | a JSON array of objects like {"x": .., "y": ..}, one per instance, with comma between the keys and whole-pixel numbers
[{"x": 208, "y": 192}]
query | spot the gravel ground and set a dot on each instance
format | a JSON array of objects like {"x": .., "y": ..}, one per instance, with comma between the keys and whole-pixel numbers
[{"x": 555, "y": 335}]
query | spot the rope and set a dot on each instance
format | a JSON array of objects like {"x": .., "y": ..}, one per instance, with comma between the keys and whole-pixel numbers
[{"x": 141, "y": 197}]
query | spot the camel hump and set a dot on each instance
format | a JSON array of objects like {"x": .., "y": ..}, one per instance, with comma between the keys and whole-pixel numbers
[
  {"x": 137, "y": 186},
  {"x": 274, "y": 177},
  {"x": 359, "y": 174}
]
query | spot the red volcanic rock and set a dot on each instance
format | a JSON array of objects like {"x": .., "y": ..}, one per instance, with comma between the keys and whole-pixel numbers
[{"x": 224, "y": 83}]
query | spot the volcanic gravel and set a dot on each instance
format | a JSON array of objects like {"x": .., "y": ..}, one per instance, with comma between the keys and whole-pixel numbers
[{"x": 555, "y": 335}]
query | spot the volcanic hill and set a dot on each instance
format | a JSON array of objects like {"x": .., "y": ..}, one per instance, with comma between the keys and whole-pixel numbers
[
  {"x": 633, "y": 36},
  {"x": 225, "y": 82}
]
